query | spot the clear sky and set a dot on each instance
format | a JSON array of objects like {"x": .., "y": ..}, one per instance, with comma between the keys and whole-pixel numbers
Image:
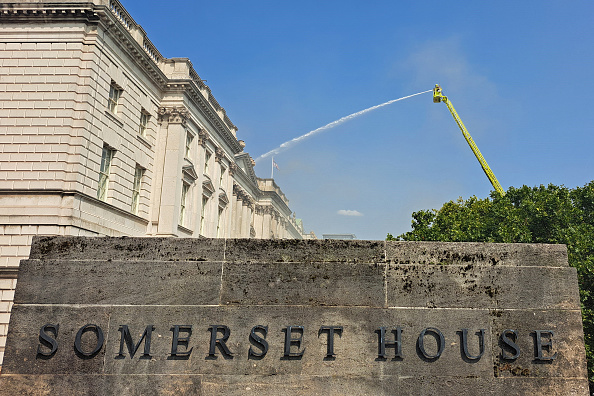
[{"x": 520, "y": 74}]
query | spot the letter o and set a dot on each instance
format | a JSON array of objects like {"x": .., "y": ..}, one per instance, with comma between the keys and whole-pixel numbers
[
  {"x": 77, "y": 341},
  {"x": 438, "y": 337}
]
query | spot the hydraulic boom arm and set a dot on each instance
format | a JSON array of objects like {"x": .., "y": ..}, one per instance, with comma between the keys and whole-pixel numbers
[{"x": 439, "y": 97}]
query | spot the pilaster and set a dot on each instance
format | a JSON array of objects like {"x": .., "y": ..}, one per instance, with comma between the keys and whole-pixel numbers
[{"x": 173, "y": 123}]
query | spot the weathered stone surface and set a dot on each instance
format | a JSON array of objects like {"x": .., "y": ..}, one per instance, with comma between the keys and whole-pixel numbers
[
  {"x": 119, "y": 282},
  {"x": 568, "y": 347},
  {"x": 23, "y": 344},
  {"x": 282, "y": 385},
  {"x": 303, "y": 283},
  {"x": 92, "y": 384},
  {"x": 464, "y": 253},
  {"x": 127, "y": 248},
  {"x": 481, "y": 286},
  {"x": 304, "y": 251},
  {"x": 205, "y": 287}
]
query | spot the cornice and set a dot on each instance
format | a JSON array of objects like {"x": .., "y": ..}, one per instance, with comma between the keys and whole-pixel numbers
[
  {"x": 120, "y": 26},
  {"x": 109, "y": 14},
  {"x": 205, "y": 106},
  {"x": 24, "y": 12}
]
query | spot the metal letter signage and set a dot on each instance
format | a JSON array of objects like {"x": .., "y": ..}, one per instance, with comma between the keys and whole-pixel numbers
[
  {"x": 293, "y": 346},
  {"x": 77, "y": 341}
]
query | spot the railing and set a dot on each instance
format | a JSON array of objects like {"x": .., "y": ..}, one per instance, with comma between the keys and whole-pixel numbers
[
  {"x": 120, "y": 12},
  {"x": 135, "y": 30},
  {"x": 194, "y": 76},
  {"x": 151, "y": 50}
]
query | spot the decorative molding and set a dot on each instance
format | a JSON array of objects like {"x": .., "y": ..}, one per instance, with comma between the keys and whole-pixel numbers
[
  {"x": 264, "y": 209},
  {"x": 246, "y": 200},
  {"x": 174, "y": 115},
  {"x": 202, "y": 137},
  {"x": 84, "y": 12},
  {"x": 223, "y": 199},
  {"x": 219, "y": 154},
  {"x": 188, "y": 171},
  {"x": 275, "y": 214},
  {"x": 247, "y": 168},
  {"x": 204, "y": 104},
  {"x": 9, "y": 272},
  {"x": 207, "y": 187},
  {"x": 132, "y": 38},
  {"x": 232, "y": 168}
]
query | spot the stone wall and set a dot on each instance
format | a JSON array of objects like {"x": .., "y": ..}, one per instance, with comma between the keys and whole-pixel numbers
[{"x": 294, "y": 317}]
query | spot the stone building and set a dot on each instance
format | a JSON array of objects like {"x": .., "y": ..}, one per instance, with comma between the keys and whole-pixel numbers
[{"x": 102, "y": 135}]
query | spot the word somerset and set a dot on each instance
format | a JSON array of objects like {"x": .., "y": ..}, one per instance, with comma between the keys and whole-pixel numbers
[{"x": 294, "y": 345}]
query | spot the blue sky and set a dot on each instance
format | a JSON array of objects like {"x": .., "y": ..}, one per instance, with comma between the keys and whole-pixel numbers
[{"x": 518, "y": 73}]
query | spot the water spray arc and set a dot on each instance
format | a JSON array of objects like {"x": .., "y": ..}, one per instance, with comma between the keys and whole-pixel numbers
[{"x": 288, "y": 144}]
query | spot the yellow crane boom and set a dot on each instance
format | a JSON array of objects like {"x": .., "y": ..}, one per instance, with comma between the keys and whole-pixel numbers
[{"x": 439, "y": 97}]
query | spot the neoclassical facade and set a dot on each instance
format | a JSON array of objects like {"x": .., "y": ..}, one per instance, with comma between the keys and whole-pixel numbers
[{"x": 102, "y": 135}]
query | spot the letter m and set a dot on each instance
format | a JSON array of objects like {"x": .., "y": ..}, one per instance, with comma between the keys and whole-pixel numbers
[{"x": 127, "y": 338}]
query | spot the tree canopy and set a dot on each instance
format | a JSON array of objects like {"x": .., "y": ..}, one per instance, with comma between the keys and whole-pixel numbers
[{"x": 551, "y": 214}]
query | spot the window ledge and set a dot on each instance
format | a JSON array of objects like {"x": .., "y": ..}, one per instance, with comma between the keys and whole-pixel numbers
[
  {"x": 114, "y": 118},
  {"x": 143, "y": 140}
]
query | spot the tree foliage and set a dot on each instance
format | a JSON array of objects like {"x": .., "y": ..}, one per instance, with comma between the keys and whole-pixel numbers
[{"x": 552, "y": 214}]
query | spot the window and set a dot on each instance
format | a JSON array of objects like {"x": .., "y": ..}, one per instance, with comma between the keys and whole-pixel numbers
[
  {"x": 203, "y": 214},
  {"x": 182, "y": 209},
  {"x": 189, "y": 139},
  {"x": 106, "y": 157},
  {"x": 206, "y": 161},
  {"x": 144, "y": 118},
  {"x": 114, "y": 96},
  {"x": 223, "y": 170},
  {"x": 139, "y": 172},
  {"x": 219, "y": 222}
]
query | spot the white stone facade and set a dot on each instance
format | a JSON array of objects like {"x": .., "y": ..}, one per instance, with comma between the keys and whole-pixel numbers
[{"x": 101, "y": 135}]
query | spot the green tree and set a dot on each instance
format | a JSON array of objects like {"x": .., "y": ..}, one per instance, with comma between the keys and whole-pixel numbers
[{"x": 552, "y": 214}]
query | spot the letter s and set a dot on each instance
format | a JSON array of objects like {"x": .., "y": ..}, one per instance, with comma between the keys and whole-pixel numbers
[
  {"x": 48, "y": 341},
  {"x": 510, "y": 344}
]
